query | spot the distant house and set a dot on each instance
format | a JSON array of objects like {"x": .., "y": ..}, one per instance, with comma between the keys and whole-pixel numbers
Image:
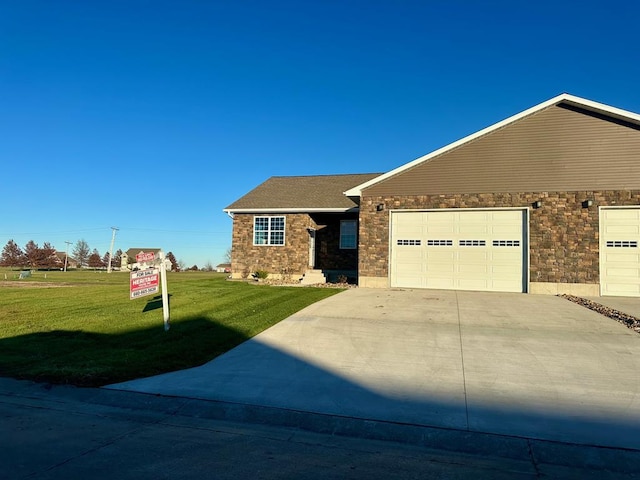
[
  {"x": 545, "y": 201},
  {"x": 128, "y": 259},
  {"x": 71, "y": 262},
  {"x": 223, "y": 268}
]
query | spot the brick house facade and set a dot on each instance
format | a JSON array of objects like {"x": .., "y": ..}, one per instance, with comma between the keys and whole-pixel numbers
[
  {"x": 311, "y": 211},
  {"x": 294, "y": 257},
  {"x": 545, "y": 201},
  {"x": 563, "y": 235}
]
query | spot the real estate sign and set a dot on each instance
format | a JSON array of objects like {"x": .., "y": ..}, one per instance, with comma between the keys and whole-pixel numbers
[
  {"x": 144, "y": 282},
  {"x": 143, "y": 257}
]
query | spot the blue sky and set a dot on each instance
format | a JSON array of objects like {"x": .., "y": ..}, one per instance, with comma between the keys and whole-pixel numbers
[{"x": 153, "y": 116}]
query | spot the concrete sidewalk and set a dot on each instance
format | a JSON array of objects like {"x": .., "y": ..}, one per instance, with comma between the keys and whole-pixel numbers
[{"x": 526, "y": 366}]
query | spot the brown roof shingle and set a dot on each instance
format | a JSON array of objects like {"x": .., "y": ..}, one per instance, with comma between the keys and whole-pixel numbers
[{"x": 306, "y": 192}]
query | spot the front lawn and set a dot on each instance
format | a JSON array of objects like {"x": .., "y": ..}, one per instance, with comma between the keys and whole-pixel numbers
[{"x": 81, "y": 328}]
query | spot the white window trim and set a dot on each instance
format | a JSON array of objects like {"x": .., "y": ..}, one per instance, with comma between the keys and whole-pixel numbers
[
  {"x": 355, "y": 222},
  {"x": 268, "y": 244}
]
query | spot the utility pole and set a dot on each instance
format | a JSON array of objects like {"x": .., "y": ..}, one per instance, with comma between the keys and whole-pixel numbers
[
  {"x": 66, "y": 255},
  {"x": 113, "y": 239}
]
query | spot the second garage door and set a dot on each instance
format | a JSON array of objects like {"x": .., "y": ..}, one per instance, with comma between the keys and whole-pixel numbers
[
  {"x": 460, "y": 250},
  {"x": 620, "y": 251}
]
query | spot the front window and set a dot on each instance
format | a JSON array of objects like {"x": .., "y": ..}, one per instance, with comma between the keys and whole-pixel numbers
[
  {"x": 268, "y": 230},
  {"x": 348, "y": 234}
]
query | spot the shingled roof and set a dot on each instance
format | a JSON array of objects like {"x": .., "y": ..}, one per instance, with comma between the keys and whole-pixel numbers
[{"x": 307, "y": 193}]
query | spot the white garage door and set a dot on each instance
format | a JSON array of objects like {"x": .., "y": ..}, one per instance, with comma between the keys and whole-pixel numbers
[
  {"x": 620, "y": 251},
  {"x": 459, "y": 250}
]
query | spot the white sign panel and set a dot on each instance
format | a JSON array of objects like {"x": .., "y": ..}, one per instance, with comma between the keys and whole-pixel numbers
[{"x": 144, "y": 282}]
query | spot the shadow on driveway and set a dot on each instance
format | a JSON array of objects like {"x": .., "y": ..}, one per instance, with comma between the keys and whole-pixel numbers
[{"x": 519, "y": 365}]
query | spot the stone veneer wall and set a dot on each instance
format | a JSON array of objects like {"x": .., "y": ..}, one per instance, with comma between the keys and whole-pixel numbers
[
  {"x": 564, "y": 236},
  {"x": 293, "y": 256}
]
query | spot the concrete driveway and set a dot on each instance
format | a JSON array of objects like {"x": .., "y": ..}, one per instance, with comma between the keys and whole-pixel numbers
[{"x": 528, "y": 366}]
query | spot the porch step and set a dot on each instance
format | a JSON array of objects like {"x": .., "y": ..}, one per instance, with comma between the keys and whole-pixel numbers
[{"x": 311, "y": 277}]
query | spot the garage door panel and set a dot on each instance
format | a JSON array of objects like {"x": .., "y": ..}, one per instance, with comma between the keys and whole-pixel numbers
[
  {"x": 622, "y": 230},
  {"x": 469, "y": 218},
  {"x": 438, "y": 283},
  {"x": 439, "y": 229},
  {"x": 473, "y": 255},
  {"x": 621, "y": 214},
  {"x": 623, "y": 289},
  {"x": 505, "y": 271},
  {"x": 623, "y": 272},
  {"x": 471, "y": 250},
  {"x": 439, "y": 268},
  {"x": 505, "y": 256},
  {"x": 473, "y": 229},
  {"x": 480, "y": 269},
  {"x": 624, "y": 258}
]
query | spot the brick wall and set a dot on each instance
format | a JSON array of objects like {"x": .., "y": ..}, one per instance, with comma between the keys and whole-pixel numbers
[{"x": 563, "y": 235}]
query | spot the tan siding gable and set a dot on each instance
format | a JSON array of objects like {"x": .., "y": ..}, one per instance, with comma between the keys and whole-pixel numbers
[{"x": 556, "y": 149}]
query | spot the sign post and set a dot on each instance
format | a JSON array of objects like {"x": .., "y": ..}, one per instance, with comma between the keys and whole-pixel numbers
[{"x": 165, "y": 294}]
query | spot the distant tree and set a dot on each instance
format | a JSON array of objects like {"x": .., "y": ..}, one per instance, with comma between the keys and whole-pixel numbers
[
  {"x": 12, "y": 255},
  {"x": 208, "y": 267},
  {"x": 32, "y": 252},
  {"x": 95, "y": 261},
  {"x": 81, "y": 252},
  {"x": 117, "y": 259},
  {"x": 194, "y": 268},
  {"x": 174, "y": 263},
  {"x": 105, "y": 259},
  {"x": 47, "y": 257},
  {"x": 227, "y": 255},
  {"x": 181, "y": 265}
]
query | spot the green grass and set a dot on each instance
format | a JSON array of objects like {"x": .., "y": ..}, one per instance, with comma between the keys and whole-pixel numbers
[{"x": 87, "y": 332}]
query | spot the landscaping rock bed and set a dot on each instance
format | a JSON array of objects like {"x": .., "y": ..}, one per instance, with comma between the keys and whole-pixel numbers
[
  {"x": 628, "y": 320},
  {"x": 284, "y": 283}
]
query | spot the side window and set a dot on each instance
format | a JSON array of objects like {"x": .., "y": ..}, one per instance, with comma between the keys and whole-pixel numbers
[
  {"x": 268, "y": 230},
  {"x": 348, "y": 234}
]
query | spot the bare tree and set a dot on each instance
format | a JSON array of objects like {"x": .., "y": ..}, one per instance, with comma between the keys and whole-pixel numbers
[{"x": 81, "y": 252}]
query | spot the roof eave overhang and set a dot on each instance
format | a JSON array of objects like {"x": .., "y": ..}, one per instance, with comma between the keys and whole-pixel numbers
[
  {"x": 562, "y": 98},
  {"x": 231, "y": 211}
]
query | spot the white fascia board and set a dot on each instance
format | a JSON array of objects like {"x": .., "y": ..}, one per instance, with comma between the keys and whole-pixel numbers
[
  {"x": 602, "y": 108},
  {"x": 564, "y": 97},
  {"x": 290, "y": 210}
]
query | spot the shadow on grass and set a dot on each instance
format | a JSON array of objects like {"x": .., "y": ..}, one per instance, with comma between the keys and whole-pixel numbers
[
  {"x": 155, "y": 303},
  {"x": 264, "y": 378},
  {"x": 92, "y": 359}
]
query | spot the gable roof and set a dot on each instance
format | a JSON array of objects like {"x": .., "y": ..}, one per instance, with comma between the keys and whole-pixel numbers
[
  {"x": 132, "y": 252},
  {"x": 565, "y": 98},
  {"x": 317, "y": 193}
]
